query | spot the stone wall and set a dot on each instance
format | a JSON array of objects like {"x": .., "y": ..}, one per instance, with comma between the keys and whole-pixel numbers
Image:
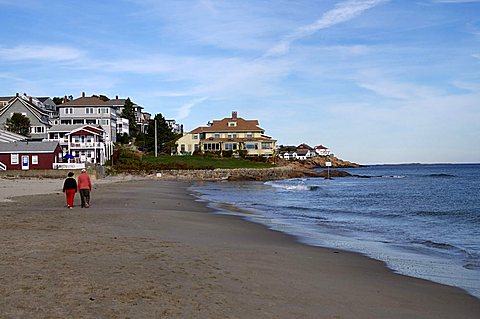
[{"x": 229, "y": 174}]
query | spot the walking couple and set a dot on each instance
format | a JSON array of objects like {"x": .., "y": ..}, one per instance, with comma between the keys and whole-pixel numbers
[{"x": 83, "y": 185}]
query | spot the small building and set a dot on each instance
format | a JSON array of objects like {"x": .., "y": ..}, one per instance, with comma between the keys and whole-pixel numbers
[
  {"x": 322, "y": 150},
  {"x": 304, "y": 152},
  {"x": 29, "y": 155}
]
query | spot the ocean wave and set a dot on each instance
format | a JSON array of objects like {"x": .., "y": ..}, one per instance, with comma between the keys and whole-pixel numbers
[
  {"x": 393, "y": 176},
  {"x": 294, "y": 187},
  {"x": 434, "y": 244}
]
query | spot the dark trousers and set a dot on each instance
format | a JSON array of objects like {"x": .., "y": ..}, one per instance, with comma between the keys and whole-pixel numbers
[{"x": 85, "y": 197}]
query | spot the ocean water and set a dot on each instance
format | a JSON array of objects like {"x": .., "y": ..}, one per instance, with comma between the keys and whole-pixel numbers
[{"x": 421, "y": 220}]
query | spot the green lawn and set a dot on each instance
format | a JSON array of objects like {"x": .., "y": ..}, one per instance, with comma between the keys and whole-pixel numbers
[{"x": 198, "y": 162}]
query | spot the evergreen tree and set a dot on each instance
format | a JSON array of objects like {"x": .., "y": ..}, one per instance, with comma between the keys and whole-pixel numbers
[
  {"x": 165, "y": 135},
  {"x": 129, "y": 114},
  {"x": 57, "y": 100},
  {"x": 19, "y": 124}
]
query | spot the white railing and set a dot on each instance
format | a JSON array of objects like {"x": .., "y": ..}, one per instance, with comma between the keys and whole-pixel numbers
[
  {"x": 3, "y": 167},
  {"x": 68, "y": 165},
  {"x": 86, "y": 145}
]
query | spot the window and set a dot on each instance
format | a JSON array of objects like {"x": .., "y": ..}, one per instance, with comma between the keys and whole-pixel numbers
[
  {"x": 216, "y": 135},
  {"x": 103, "y": 122},
  {"x": 232, "y": 124},
  {"x": 103, "y": 110},
  {"x": 67, "y": 122},
  {"x": 195, "y": 136},
  {"x": 182, "y": 148},
  {"x": 251, "y": 146},
  {"x": 34, "y": 159},
  {"x": 232, "y": 135},
  {"x": 195, "y": 147},
  {"x": 266, "y": 145},
  {"x": 230, "y": 146},
  {"x": 91, "y": 122},
  {"x": 89, "y": 110},
  {"x": 211, "y": 147},
  {"x": 249, "y": 135},
  {"x": 14, "y": 159},
  {"x": 69, "y": 110},
  {"x": 37, "y": 129}
]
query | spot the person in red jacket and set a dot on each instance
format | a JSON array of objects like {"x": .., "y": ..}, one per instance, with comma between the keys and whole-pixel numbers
[
  {"x": 84, "y": 187},
  {"x": 70, "y": 188}
]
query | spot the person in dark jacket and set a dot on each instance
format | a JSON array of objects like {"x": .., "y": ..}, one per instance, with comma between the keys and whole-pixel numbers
[{"x": 70, "y": 188}]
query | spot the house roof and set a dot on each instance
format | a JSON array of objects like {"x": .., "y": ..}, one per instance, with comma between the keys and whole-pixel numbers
[
  {"x": 222, "y": 126},
  {"x": 89, "y": 129},
  {"x": 85, "y": 101},
  {"x": 35, "y": 110},
  {"x": 304, "y": 146},
  {"x": 29, "y": 147},
  {"x": 321, "y": 147},
  {"x": 6, "y": 98},
  {"x": 116, "y": 102},
  {"x": 7, "y": 137},
  {"x": 302, "y": 152}
]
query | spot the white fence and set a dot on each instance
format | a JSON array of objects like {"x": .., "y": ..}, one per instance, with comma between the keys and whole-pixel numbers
[{"x": 68, "y": 165}]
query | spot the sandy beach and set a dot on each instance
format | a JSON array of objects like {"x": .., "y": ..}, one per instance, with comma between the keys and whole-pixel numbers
[{"x": 147, "y": 249}]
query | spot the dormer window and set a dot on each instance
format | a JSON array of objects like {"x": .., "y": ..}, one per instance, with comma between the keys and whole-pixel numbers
[{"x": 232, "y": 124}]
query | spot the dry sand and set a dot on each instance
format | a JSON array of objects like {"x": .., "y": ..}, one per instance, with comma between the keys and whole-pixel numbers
[{"x": 145, "y": 249}]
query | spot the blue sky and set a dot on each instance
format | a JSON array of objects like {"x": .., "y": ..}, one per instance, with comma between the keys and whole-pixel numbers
[{"x": 377, "y": 81}]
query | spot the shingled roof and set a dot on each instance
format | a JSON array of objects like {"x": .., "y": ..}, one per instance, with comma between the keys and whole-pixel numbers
[
  {"x": 28, "y": 147},
  {"x": 7, "y": 137},
  {"x": 241, "y": 125},
  {"x": 85, "y": 101}
]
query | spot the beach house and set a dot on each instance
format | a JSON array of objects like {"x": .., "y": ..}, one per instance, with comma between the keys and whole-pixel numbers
[
  {"x": 85, "y": 143},
  {"x": 29, "y": 107},
  {"x": 322, "y": 150},
  {"x": 233, "y": 134},
  {"x": 23, "y": 155},
  {"x": 90, "y": 111}
]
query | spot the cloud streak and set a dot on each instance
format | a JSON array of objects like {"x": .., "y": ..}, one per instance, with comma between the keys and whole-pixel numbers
[
  {"x": 184, "y": 110},
  {"x": 342, "y": 12},
  {"x": 37, "y": 52}
]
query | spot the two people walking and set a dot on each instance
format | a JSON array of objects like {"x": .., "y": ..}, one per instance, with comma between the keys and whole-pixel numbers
[{"x": 83, "y": 185}]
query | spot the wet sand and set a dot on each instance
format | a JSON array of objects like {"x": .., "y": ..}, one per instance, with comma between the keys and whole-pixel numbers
[{"x": 146, "y": 249}]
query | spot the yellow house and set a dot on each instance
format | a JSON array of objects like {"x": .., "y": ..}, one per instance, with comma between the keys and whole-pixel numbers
[{"x": 230, "y": 134}]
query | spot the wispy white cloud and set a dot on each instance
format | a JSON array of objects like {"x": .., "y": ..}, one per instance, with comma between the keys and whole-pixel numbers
[
  {"x": 184, "y": 110},
  {"x": 40, "y": 52},
  {"x": 381, "y": 85},
  {"x": 476, "y": 55},
  {"x": 342, "y": 12}
]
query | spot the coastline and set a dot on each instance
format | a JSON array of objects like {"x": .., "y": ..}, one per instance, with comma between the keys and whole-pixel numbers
[{"x": 147, "y": 247}]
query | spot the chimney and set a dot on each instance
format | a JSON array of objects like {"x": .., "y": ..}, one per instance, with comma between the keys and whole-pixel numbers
[
  {"x": 234, "y": 115},
  {"x": 83, "y": 94},
  {"x": 116, "y": 97},
  {"x": 17, "y": 95},
  {"x": 30, "y": 99},
  {"x": 65, "y": 99}
]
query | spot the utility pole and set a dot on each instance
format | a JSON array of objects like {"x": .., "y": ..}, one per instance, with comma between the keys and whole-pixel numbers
[{"x": 155, "y": 119}]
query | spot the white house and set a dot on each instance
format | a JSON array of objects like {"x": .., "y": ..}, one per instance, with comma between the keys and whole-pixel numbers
[{"x": 322, "y": 150}]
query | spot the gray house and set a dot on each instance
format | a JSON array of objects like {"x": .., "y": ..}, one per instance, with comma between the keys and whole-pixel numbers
[{"x": 39, "y": 119}]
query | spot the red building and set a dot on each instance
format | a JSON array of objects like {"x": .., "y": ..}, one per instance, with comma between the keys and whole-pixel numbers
[{"x": 29, "y": 155}]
